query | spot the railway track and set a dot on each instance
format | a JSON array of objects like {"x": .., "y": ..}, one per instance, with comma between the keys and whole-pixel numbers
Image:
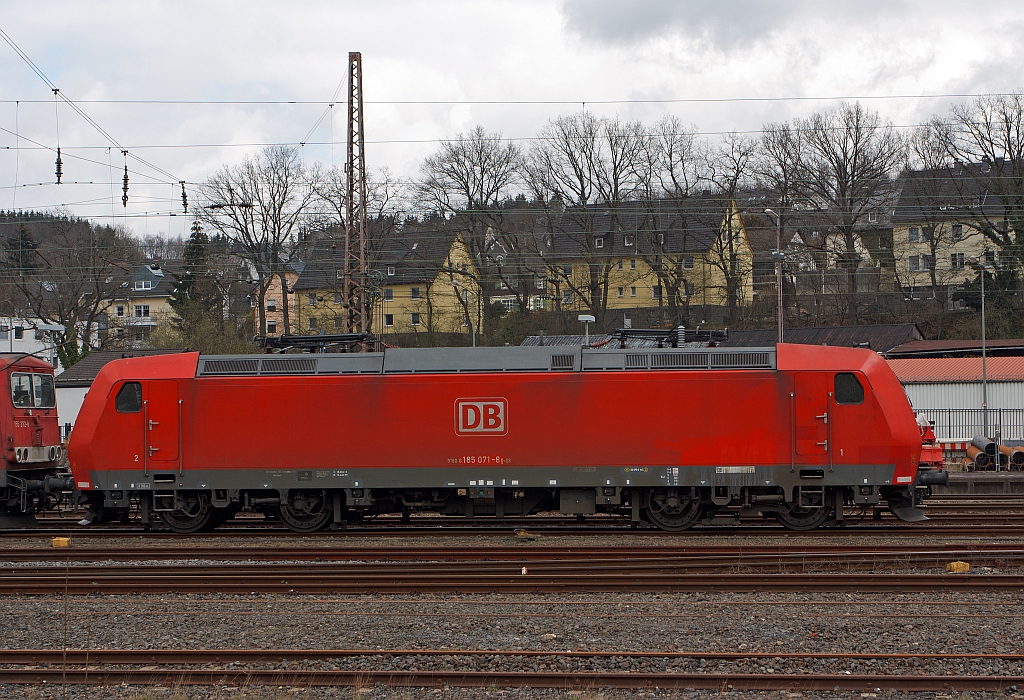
[
  {"x": 698, "y": 557},
  {"x": 469, "y": 577},
  {"x": 217, "y": 667}
]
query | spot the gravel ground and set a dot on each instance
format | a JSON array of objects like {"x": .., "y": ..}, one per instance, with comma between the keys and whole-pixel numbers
[{"x": 757, "y": 622}]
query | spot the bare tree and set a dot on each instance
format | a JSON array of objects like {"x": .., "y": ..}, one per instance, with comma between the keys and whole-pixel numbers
[
  {"x": 583, "y": 171},
  {"x": 729, "y": 170},
  {"x": 986, "y": 137},
  {"x": 259, "y": 205},
  {"x": 847, "y": 162},
  {"x": 469, "y": 177},
  {"x": 670, "y": 173},
  {"x": 71, "y": 279}
]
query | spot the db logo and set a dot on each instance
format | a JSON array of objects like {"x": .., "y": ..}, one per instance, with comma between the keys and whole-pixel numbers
[{"x": 481, "y": 416}]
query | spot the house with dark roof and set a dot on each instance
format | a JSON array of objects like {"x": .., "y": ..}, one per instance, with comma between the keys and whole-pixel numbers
[
  {"x": 938, "y": 226},
  {"x": 423, "y": 280},
  {"x": 640, "y": 255},
  {"x": 142, "y": 303}
]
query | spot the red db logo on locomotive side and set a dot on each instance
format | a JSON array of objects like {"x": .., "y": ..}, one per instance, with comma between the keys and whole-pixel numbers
[{"x": 481, "y": 416}]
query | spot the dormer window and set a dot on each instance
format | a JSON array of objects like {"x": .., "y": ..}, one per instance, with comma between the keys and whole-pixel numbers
[
  {"x": 599, "y": 242},
  {"x": 391, "y": 272},
  {"x": 627, "y": 240},
  {"x": 143, "y": 284}
]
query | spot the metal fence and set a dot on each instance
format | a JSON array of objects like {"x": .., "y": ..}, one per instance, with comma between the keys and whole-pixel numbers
[{"x": 963, "y": 424}]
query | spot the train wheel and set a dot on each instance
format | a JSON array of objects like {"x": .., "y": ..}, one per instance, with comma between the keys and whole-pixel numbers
[
  {"x": 306, "y": 511},
  {"x": 673, "y": 511},
  {"x": 196, "y": 516},
  {"x": 798, "y": 518}
]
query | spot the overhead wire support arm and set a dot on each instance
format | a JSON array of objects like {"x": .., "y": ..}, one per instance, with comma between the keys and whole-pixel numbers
[{"x": 354, "y": 260}]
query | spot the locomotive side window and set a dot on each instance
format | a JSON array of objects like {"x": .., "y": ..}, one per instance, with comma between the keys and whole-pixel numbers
[
  {"x": 848, "y": 389},
  {"x": 129, "y": 398},
  {"x": 32, "y": 390},
  {"x": 43, "y": 395},
  {"x": 21, "y": 390}
]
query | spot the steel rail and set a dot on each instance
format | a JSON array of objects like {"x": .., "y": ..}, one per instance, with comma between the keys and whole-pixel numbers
[
  {"x": 499, "y": 679},
  {"x": 253, "y": 656},
  {"x": 700, "y": 556},
  {"x": 459, "y": 577}
]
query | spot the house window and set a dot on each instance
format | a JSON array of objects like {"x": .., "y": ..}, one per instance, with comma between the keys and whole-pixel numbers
[
  {"x": 339, "y": 298},
  {"x": 509, "y": 304},
  {"x": 873, "y": 217},
  {"x": 120, "y": 311},
  {"x": 414, "y": 319},
  {"x": 928, "y": 233},
  {"x": 627, "y": 320},
  {"x": 389, "y": 295},
  {"x": 312, "y": 324},
  {"x": 143, "y": 284},
  {"x": 958, "y": 232},
  {"x": 19, "y": 332},
  {"x": 990, "y": 258},
  {"x": 656, "y": 291},
  {"x": 632, "y": 264},
  {"x": 391, "y": 272},
  {"x": 688, "y": 288},
  {"x": 119, "y": 333},
  {"x": 620, "y": 292},
  {"x": 599, "y": 242},
  {"x": 661, "y": 239},
  {"x": 414, "y": 293},
  {"x": 914, "y": 234},
  {"x": 538, "y": 304},
  {"x": 141, "y": 311},
  {"x": 311, "y": 299},
  {"x": 956, "y": 261},
  {"x": 389, "y": 320},
  {"x": 339, "y": 322},
  {"x": 620, "y": 264},
  {"x": 541, "y": 283},
  {"x": 688, "y": 262},
  {"x": 815, "y": 234},
  {"x": 272, "y": 305},
  {"x": 632, "y": 291},
  {"x": 628, "y": 240},
  {"x": 928, "y": 262},
  {"x": 567, "y": 270},
  {"x": 271, "y": 327},
  {"x": 566, "y": 296},
  {"x": 915, "y": 263}
]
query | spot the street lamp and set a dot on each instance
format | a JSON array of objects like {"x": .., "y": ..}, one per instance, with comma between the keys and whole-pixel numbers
[
  {"x": 982, "y": 262},
  {"x": 777, "y": 257}
]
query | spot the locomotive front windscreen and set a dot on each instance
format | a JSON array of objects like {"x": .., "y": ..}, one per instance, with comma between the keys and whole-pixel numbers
[{"x": 32, "y": 390}]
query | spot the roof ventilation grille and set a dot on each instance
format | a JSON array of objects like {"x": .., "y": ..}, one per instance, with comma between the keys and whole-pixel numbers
[
  {"x": 231, "y": 367},
  {"x": 563, "y": 362},
  {"x": 298, "y": 365},
  {"x": 636, "y": 361}
]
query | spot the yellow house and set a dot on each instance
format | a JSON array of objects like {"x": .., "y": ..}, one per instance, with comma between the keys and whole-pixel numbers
[
  {"x": 937, "y": 229},
  {"x": 422, "y": 281},
  {"x": 142, "y": 304},
  {"x": 672, "y": 257}
]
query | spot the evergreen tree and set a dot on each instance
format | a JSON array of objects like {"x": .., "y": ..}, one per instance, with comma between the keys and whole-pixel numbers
[
  {"x": 20, "y": 252},
  {"x": 196, "y": 294}
]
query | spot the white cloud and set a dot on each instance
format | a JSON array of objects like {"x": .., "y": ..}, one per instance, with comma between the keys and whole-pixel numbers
[{"x": 442, "y": 51}]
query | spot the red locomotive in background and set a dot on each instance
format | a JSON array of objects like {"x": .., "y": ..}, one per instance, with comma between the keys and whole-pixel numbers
[
  {"x": 30, "y": 479},
  {"x": 667, "y": 435}
]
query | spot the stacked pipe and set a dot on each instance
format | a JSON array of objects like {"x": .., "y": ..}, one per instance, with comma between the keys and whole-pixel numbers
[
  {"x": 981, "y": 451},
  {"x": 1014, "y": 455}
]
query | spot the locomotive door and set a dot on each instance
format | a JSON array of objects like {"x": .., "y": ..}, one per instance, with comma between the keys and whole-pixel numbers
[
  {"x": 162, "y": 422},
  {"x": 811, "y": 413}
]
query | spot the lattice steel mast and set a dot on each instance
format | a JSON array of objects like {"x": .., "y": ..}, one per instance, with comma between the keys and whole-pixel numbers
[{"x": 357, "y": 320}]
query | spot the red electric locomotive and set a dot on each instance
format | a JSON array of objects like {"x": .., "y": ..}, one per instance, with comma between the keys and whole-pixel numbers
[
  {"x": 32, "y": 450},
  {"x": 668, "y": 435}
]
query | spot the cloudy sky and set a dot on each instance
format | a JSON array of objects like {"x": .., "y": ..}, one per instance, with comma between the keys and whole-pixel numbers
[{"x": 156, "y": 76}]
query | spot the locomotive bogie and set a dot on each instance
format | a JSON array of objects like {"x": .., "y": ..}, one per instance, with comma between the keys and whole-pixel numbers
[{"x": 670, "y": 436}]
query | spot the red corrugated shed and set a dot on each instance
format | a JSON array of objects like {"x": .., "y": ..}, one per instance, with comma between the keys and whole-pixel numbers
[{"x": 957, "y": 369}]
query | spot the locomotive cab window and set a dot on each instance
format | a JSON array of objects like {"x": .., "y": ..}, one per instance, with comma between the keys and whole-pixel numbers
[
  {"x": 129, "y": 398},
  {"x": 848, "y": 389},
  {"x": 32, "y": 390}
]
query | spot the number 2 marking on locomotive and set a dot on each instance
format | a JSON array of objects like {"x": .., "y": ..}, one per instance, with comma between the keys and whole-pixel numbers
[{"x": 136, "y": 458}]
